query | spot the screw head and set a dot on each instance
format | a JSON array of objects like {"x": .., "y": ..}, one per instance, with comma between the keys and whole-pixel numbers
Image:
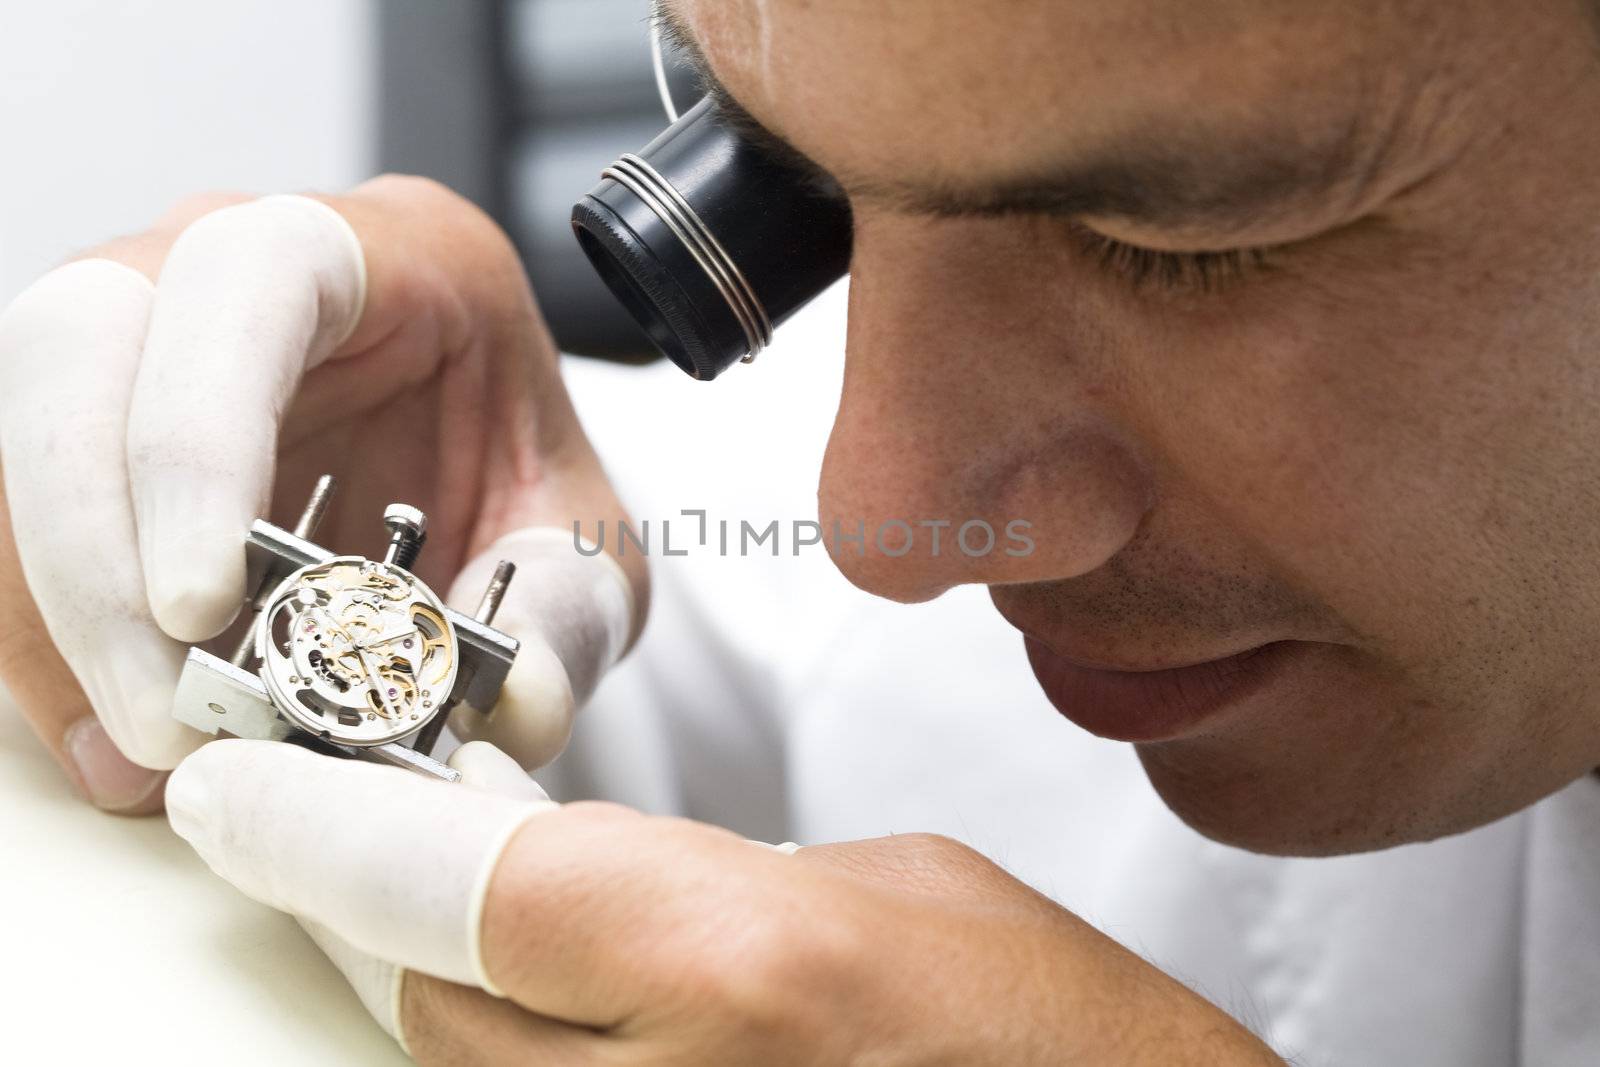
[
  {"x": 405, "y": 517},
  {"x": 408, "y": 528}
]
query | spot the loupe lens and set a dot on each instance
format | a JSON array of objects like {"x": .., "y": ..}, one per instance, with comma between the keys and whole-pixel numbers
[{"x": 711, "y": 243}]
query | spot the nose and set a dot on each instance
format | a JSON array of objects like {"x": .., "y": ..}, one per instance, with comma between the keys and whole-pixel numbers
[{"x": 976, "y": 438}]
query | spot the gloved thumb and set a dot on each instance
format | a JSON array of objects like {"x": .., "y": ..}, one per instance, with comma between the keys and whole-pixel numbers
[
  {"x": 571, "y": 607},
  {"x": 377, "y": 982}
]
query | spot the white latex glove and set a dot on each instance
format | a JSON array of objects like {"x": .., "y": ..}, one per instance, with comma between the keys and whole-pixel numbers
[
  {"x": 479, "y": 830},
  {"x": 150, "y": 397},
  {"x": 399, "y": 878}
]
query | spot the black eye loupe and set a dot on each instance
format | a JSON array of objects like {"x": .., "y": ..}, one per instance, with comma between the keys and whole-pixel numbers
[{"x": 710, "y": 242}]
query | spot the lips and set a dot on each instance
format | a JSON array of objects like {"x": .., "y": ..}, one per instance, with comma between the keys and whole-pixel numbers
[{"x": 1153, "y": 705}]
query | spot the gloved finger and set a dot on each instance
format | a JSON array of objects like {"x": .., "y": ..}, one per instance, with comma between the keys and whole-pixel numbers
[
  {"x": 572, "y": 611},
  {"x": 585, "y": 913},
  {"x": 250, "y": 298},
  {"x": 439, "y": 1022},
  {"x": 483, "y": 766},
  {"x": 376, "y": 981},
  {"x": 69, "y": 353},
  {"x": 53, "y": 704},
  {"x": 396, "y": 865}
]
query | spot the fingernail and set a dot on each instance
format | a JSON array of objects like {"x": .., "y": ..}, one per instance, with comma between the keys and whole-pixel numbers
[{"x": 112, "y": 781}]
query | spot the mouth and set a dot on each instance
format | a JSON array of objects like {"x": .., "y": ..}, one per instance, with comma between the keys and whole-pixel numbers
[{"x": 1159, "y": 704}]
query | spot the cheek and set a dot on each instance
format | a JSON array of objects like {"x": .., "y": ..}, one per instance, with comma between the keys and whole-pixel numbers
[
  {"x": 1425, "y": 478},
  {"x": 1416, "y": 461}
]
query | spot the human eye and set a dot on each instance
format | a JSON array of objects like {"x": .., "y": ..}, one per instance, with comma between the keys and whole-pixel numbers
[{"x": 1143, "y": 267}]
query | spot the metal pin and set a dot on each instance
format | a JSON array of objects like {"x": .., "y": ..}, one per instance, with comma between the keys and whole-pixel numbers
[
  {"x": 247, "y": 643},
  {"x": 316, "y": 508},
  {"x": 305, "y": 529},
  {"x": 490, "y": 604}
]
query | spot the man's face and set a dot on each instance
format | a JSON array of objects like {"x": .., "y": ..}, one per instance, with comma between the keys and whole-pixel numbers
[{"x": 1276, "y": 322}]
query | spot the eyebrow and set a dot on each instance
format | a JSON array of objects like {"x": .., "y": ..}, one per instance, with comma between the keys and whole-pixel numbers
[
  {"x": 675, "y": 33},
  {"x": 1180, "y": 177}
]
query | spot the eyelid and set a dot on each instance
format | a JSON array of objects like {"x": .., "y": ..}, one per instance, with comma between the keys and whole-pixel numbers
[{"x": 1173, "y": 271}]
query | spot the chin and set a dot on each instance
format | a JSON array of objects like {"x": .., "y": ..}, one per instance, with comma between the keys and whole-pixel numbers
[
  {"x": 1314, "y": 777},
  {"x": 1262, "y": 811},
  {"x": 1349, "y": 791},
  {"x": 1346, "y": 758}
]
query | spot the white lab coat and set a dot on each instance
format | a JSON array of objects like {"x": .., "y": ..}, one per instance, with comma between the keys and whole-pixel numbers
[{"x": 770, "y": 696}]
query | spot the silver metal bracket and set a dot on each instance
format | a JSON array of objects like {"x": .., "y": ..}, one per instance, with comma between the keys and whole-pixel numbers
[{"x": 219, "y": 697}]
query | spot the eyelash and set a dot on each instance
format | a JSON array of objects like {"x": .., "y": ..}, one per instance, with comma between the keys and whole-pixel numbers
[{"x": 1174, "y": 271}]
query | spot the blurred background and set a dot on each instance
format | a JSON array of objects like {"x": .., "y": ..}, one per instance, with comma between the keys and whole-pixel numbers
[{"x": 113, "y": 111}]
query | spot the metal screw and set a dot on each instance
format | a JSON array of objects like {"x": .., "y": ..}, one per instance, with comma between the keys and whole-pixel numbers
[
  {"x": 408, "y": 529},
  {"x": 496, "y": 592}
]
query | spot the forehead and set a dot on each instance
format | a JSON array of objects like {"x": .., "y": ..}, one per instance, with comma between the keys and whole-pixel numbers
[
  {"x": 1020, "y": 64},
  {"x": 1005, "y": 89}
]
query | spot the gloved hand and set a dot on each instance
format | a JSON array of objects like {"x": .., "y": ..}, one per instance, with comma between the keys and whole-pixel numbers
[
  {"x": 464, "y": 851},
  {"x": 164, "y": 390},
  {"x": 495, "y": 929}
]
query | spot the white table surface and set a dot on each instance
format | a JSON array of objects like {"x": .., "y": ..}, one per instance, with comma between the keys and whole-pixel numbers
[{"x": 119, "y": 946}]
